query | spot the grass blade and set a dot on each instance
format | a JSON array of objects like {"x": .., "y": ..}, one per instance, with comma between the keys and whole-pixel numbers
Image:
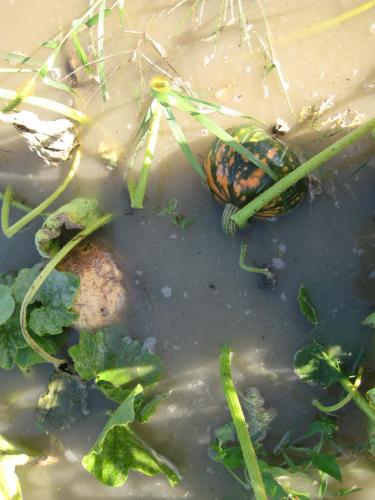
[
  {"x": 181, "y": 139},
  {"x": 100, "y": 42},
  {"x": 81, "y": 53}
]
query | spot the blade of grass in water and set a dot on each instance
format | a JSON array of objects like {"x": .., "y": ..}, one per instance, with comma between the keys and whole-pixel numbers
[
  {"x": 240, "y": 425},
  {"x": 137, "y": 191},
  {"x": 181, "y": 139},
  {"x": 81, "y": 53},
  {"x": 100, "y": 42},
  {"x": 41, "y": 102},
  {"x": 178, "y": 100},
  {"x": 121, "y": 8}
]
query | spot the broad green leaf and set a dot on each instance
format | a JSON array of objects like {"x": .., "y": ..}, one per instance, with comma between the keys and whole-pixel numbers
[
  {"x": 323, "y": 426},
  {"x": 369, "y": 320},
  {"x": 316, "y": 364},
  {"x": 64, "y": 402},
  {"x": 7, "y": 303},
  {"x": 119, "y": 449},
  {"x": 59, "y": 290},
  {"x": 231, "y": 458},
  {"x": 11, "y": 456},
  {"x": 77, "y": 214},
  {"x": 327, "y": 464},
  {"x": 48, "y": 321},
  {"x": 9, "y": 345},
  {"x": 306, "y": 306},
  {"x": 23, "y": 282},
  {"x": 115, "y": 361}
]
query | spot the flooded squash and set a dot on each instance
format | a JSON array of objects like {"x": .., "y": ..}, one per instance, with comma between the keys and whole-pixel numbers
[
  {"x": 101, "y": 297},
  {"x": 235, "y": 180}
]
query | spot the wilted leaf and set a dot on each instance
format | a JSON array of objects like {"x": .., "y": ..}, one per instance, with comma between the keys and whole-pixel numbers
[
  {"x": 115, "y": 361},
  {"x": 315, "y": 364},
  {"x": 64, "y": 402},
  {"x": 7, "y": 303},
  {"x": 306, "y": 306},
  {"x": 327, "y": 464},
  {"x": 119, "y": 449},
  {"x": 52, "y": 140},
  {"x": 77, "y": 214},
  {"x": 145, "y": 412},
  {"x": 257, "y": 416}
]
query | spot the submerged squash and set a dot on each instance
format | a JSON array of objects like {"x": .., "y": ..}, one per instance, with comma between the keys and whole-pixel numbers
[{"x": 235, "y": 180}]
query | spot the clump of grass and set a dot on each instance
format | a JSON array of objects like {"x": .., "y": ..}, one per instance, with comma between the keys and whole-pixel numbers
[{"x": 164, "y": 98}]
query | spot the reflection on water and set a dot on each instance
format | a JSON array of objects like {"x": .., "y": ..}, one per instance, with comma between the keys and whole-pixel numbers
[{"x": 327, "y": 245}]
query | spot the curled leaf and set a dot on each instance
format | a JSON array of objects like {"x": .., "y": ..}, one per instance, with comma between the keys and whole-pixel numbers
[
  {"x": 306, "y": 306},
  {"x": 77, "y": 214},
  {"x": 118, "y": 449},
  {"x": 52, "y": 140}
]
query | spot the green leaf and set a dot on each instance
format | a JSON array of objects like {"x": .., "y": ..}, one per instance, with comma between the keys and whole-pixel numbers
[
  {"x": 23, "y": 282},
  {"x": 93, "y": 20},
  {"x": 27, "y": 357},
  {"x": 119, "y": 449},
  {"x": 327, "y": 464},
  {"x": 59, "y": 290},
  {"x": 347, "y": 491},
  {"x": 64, "y": 402},
  {"x": 11, "y": 456},
  {"x": 306, "y": 306},
  {"x": 323, "y": 426},
  {"x": 117, "y": 362},
  {"x": 7, "y": 303},
  {"x": 49, "y": 321},
  {"x": 77, "y": 214},
  {"x": 369, "y": 320},
  {"x": 9, "y": 345},
  {"x": 145, "y": 412},
  {"x": 315, "y": 364}
]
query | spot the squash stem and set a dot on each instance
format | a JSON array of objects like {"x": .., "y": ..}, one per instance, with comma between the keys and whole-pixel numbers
[
  {"x": 10, "y": 231},
  {"x": 243, "y": 215},
  {"x": 359, "y": 400},
  {"x": 343, "y": 402},
  {"x": 240, "y": 425},
  {"x": 41, "y": 278}
]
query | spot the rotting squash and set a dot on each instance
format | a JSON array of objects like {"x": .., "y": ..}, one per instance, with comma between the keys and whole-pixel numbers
[{"x": 235, "y": 180}]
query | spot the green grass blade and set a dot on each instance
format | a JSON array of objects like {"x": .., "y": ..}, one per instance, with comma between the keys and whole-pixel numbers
[
  {"x": 100, "y": 43},
  {"x": 58, "y": 85},
  {"x": 181, "y": 139},
  {"x": 81, "y": 53},
  {"x": 93, "y": 21},
  {"x": 175, "y": 99},
  {"x": 224, "y": 110}
]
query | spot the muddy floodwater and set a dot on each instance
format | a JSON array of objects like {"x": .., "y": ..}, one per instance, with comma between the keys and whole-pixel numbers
[{"x": 185, "y": 289}]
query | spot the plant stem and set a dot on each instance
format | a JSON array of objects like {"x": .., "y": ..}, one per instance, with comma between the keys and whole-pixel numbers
[
  {"x": 137, "y": 193},
  {"x": 344, "y": 401},
  {"x": 267, "y": 273},
  {"x": 243, "y": 215},
  {"x": 17, "y": 204},
  {"x": 41, "y": 278},
  {"x": 359, "y": 400},
  {"x": 240, "y": 424},
  {"x": 10, "y": 231}
]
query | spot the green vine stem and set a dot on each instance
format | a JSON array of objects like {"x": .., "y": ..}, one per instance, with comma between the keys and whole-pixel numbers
[
  {"x": 137, "y": 191},
  {"x": 344, "y": 401},
  {"x": 260, "y": 270},
  {"x": 240, "y": 424},
  {"x": 17, "y": 204},
  {"x": 243, "y": 215},
  {"x": 10, "y": 231},
  {"x": 359, "y": 400},
  {"x": 40, "y": 279}
]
